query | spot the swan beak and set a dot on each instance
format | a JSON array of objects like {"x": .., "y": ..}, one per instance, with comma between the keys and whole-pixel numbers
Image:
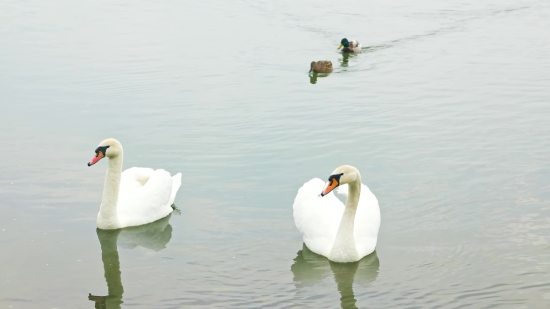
[
  {"x": 330, "y": 186},
  {"x": 98, "y": 157},
  {"x": 340, "y": 46}
]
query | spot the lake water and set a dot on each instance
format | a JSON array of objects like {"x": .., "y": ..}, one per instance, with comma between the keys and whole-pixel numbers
[{"x": 446, "y": 113}]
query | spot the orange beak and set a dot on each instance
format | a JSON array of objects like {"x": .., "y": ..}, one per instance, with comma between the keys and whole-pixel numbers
[
  {"x": 98, "y": 157},
  {"x": 330, "y": 186}
]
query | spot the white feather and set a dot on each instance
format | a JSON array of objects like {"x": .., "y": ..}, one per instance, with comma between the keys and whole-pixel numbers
[
  {"x": 355, "y": 46},
  {"x": 146, "y": 195}
]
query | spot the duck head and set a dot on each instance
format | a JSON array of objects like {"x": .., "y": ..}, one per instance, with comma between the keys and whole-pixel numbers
[
  {"x": 344, "y": 43},
  {"x": 312, "y": 66}
]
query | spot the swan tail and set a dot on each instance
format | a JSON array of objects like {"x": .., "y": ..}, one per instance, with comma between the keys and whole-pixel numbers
[{"x": 176, "y": 184}]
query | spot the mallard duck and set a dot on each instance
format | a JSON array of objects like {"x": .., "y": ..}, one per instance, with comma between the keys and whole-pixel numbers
[
  {"x": 351, "y": 46},
  {"x": 323, "y": 66}
]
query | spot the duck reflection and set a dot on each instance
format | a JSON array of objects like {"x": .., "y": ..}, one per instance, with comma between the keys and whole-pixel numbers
[
  {"x": 310, "y": 269},
  {"x": 154, "y": 236},
  {"x": 345, "y": 59},
  {"x": 313, "y": 77}
]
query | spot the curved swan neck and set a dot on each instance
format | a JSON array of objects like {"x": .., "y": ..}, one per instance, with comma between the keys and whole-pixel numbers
[
  {"x": 354, "y": 192},
  {"x": 344, "y": 249},
  {"x": 107, "y": 218}
]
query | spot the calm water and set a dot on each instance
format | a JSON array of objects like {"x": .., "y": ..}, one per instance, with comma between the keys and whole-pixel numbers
[{"x": 445, "y": 113}]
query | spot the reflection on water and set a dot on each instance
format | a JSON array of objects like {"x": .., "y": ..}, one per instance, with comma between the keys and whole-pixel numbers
[
  {"x": 344, "y": 60},
  {"x": 152, "y": 236},
  {"x": 313, "y": 76},
  {"x": 448, "y": 121},
  {"x": 310, "y": 269}
]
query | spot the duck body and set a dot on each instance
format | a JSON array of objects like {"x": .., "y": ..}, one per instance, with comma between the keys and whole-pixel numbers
[
  {"x": 342, "y": 233},
  {"x": 136, "y": 196},
  {"x": 350, "y": 46},
  {"x": 323, "y": 66}
]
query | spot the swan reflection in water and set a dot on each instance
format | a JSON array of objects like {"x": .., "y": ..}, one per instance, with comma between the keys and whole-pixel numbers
[
  {"x": 152, "y": 236},
  {"x": 310, "y": 269}
]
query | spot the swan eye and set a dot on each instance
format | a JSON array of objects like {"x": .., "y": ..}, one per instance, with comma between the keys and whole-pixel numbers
[
  {"x": 335, "y": 177},
  {"x": 102, "y": 149}
]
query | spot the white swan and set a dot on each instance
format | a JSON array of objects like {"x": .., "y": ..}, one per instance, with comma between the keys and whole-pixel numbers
[
  {"x": 341, "y": 233},
  {"x": 136, "y": 196}
]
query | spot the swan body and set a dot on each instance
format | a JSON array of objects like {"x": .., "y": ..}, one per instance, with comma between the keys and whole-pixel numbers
[
  {"x": 323, "y": 66},
  {"x": 350, "y": 46},
  {"x": 342, "y": 233},
  {"x": 136, "y": 196}
]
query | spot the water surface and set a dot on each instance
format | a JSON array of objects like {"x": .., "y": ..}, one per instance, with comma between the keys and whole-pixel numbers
[{"x": 445, "y": 113}]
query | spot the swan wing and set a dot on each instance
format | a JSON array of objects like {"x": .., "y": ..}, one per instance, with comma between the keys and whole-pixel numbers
[
  {"x": 367, "y": 220},
  {"x": 316, "y": 217},
  {"x": 132, "y": 179},
  {"x": 140, "y": 203}
]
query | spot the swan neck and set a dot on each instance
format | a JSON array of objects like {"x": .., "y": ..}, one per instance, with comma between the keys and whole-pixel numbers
[
  {"x": 354, "y": 192},
  {"x": 107, "y": 218},
  {"x": 344, "y": 248}
]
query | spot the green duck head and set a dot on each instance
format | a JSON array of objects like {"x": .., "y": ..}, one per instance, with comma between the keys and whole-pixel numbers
[{"x": 344, "y": 43}]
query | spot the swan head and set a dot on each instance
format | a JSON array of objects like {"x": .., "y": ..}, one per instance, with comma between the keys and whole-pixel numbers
[
  {"x": 342, "y": 175},
  {"x": 109, "y": 148}
]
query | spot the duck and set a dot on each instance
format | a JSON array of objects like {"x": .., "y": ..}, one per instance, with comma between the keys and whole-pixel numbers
[
  {"x": 323, "y": 66},
  {"x": 341, "y": 233},
  {"x": 350, "y": 46},
  {"x": 136, "y": 196}
]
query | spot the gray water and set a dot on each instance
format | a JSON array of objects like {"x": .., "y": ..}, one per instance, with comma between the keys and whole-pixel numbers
[{"x": 445, "y": 113}]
